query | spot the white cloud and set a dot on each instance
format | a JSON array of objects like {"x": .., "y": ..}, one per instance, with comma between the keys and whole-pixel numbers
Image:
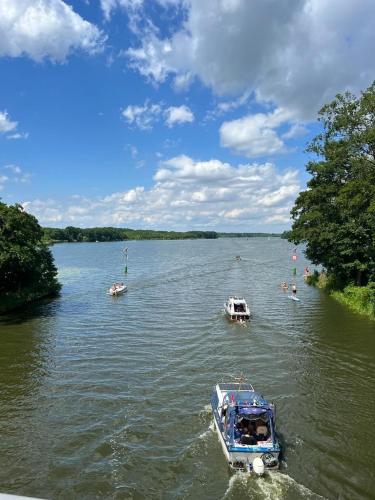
[
  {"x": 145, "y": 117},
  {"x": 180, "y": 114},
  {"x": 45, "y": 29},
  {"x": 296, "y": 130},
  {"x": 182, "y": 81},
  {"x": 17, "y": 174},
  {"x": 150, "y": 60},
  {"x": 130, "y": 6},
  {"x": 225, "y": 106},
  {"x": 256, "y": 135},
  {"x": 296, "y": 54},
  {"x": 6, "y": 125},
  {"x": 188, "y": 194},
  {"x": 3, "y": 180},
  {"x": 142, "y": 116},
  {"x": 14, "y": 168},
  {"x": 133, "y": 151},
  {"x": 18, "y": 135},
  {"x": 109, "y": 5}
]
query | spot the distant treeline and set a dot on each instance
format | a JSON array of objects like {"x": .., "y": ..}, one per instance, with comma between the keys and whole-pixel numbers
[
  {"x": 76, "y": 234},
  {"x": 248, "y": 235}
]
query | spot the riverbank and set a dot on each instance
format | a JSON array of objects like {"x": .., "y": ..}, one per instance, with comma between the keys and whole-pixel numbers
[
  {"x": 106, "y": 234},
  {"x": 16, "y": 300},
  {"x": 360, "y": 299}
]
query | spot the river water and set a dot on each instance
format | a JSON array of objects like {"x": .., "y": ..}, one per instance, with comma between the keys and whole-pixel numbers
[{"x": 104, "y": 397}]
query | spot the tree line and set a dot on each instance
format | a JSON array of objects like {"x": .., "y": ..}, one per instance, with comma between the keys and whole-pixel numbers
[
  {"x": 76, "y": 234},
  {"x": 335, "y": 216},
  {"x": 27, "y": 270}
]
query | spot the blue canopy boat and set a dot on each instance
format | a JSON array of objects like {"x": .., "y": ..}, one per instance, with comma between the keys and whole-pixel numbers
[{"x": 245, "y": 423}]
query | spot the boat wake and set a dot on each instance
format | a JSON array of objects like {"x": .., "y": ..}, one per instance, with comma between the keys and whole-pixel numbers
[
  {"x": 205, "y": 413},
  {"x": 275, "y": 486},
  {"x": 203, "y": 435}
]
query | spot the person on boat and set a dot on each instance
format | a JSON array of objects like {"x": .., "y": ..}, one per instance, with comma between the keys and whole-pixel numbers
[
  {"x": 247, "y": 438},
  {"x": 294, "y": 289}
]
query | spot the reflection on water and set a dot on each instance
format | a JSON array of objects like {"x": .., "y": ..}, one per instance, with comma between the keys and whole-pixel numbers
[{"x": 107, "y": 397}]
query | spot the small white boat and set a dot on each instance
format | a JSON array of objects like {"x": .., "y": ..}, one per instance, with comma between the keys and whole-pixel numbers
[
  {"x": 246, "y": 428},
  {"x": 118, "y": 289},
  {"x": 237, "y": 309}
]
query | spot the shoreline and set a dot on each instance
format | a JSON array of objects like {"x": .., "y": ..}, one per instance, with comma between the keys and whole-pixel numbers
[
  {"x": 359, "y": 299},
  {"x": 219, "y": 237},
  {"x": 13, "y": 301}
]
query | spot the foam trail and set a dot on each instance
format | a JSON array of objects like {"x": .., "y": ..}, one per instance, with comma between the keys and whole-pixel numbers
[
  {"x": 279, "y": 484},
  {"x": 274, "y": 486},
  {"x": 235, "y": 479},
  {"x": 208, "y": 431}
]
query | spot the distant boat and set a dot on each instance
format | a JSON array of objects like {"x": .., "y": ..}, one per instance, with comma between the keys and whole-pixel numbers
[
  {"x": 245, "y": 424},
  {"x": 118, "y": 289},
  {"x": 237, "y": 309},
  {"x": 238, "y": 257}
]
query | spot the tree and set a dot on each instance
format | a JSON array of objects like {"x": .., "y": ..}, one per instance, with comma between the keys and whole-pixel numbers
[
  {"x": 26, "y": 263},
  {"x": 335, "y": 216}
]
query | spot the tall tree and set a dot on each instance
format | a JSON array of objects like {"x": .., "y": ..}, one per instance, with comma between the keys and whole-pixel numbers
[
  {"x": 335, "y": 216},
  {"x": 25, "y": 261}
]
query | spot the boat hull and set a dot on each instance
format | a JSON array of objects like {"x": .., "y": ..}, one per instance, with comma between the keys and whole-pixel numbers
[
  {"x": 118, "y": 291},
  {"x": 236, "y": 309}
]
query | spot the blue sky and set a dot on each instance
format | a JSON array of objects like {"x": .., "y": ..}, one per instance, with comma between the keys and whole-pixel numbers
[{"x": 170, "y": 114}]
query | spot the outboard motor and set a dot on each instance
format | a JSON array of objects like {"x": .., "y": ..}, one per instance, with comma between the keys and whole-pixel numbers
[{"x": 258, "y": 466}]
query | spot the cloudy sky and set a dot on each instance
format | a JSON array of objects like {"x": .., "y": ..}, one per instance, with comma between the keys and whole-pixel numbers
[{"x": 170, "y": 114}]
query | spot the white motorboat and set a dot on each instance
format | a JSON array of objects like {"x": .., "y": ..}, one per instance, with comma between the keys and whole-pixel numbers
[
  {"x": 245, "y": 424},
  {"x": 118, "y": 289},
  {"x": 237, "y": 309}
]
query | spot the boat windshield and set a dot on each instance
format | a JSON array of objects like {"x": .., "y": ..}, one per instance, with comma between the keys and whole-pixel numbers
[
  {"x": 246, "y": 398},
  {"x": 235, "y": 386}
]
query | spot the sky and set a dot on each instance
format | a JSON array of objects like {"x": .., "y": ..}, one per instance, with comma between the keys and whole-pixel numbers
[{"x": 171, "y": 114}]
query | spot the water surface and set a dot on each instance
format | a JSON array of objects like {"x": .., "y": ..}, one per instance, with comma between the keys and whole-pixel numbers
[{"x": 106, "y": 397}]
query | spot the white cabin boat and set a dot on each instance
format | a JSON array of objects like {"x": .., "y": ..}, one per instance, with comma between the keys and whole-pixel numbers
[
  {"x": 237, "y": 309},
  {"x": 117, "y": 289},
  {"x": 245, "y": 424}
]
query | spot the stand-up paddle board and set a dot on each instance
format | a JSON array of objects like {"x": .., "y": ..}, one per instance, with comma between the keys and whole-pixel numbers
[{"x": 294, "y": 298}]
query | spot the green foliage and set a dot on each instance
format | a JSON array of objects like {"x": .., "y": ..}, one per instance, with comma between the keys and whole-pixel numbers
[
  {"x": 335, "y": 216},
  {"x": 26, "y": 263},
  {"x": 313, "y": 279},
  {"x": 76, "y": 234},
  {"x": 359, "y": 298},
  {"x": 249, "y": 235}
]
